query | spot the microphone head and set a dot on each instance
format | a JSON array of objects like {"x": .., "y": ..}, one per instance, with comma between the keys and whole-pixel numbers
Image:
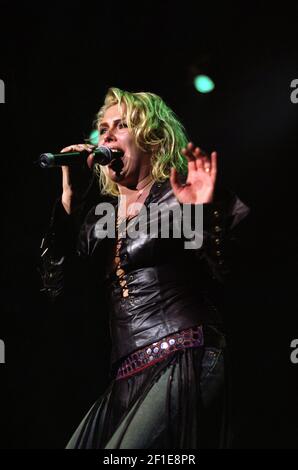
[
  {"x": 46, "y": 160},
  {"x": 104, "y": 155}
]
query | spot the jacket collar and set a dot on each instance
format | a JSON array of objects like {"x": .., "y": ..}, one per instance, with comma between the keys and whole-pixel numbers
[{"x": 158, "y": 189}]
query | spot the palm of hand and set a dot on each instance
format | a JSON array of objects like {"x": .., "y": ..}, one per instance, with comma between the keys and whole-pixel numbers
[{"x": 201, "y": 178}]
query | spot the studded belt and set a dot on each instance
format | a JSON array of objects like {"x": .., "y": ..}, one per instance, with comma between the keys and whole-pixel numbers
[{"x": 156, "y": 352}]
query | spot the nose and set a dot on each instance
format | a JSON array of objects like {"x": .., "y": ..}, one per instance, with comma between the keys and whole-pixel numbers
[{"x": 109, "y": 136}]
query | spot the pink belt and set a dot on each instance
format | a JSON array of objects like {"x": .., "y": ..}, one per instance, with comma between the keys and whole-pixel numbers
[{"x": 156, "y": 352}]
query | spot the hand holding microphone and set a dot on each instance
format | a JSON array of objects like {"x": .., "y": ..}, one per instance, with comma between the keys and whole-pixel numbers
[
  {"x": 85, "y": 152},
  {"x": 73, "y": 160}
]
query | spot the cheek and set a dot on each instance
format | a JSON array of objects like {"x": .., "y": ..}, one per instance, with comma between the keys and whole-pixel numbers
[{"x": 135, "y": 158}]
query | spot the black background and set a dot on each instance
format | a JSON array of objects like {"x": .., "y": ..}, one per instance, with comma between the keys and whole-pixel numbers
[{"x": 57, "y": 61}]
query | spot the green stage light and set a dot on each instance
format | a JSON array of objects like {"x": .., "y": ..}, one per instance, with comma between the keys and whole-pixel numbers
[
  {"x": 203, "y": 84},
  {"x": 94, "y": 137}
]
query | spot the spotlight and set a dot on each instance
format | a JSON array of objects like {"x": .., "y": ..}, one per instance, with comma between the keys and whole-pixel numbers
[
  {"x": 94, "y": 137},
  {"x": 203, "y": 84}
]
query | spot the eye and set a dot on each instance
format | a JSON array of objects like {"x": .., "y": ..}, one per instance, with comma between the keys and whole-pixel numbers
[
  {"x": 102, "y": 130},
  {"x": 122, "y": 125}
]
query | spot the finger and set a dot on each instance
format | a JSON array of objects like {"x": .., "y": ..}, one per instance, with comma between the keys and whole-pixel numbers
[
  {"x": 188, "y": 151},
  {"x": 206, "y": 164},
  {"x": 213, "y": 169},
  {"x": 78, "y": 148},
  {"x": 191, "y": 161},
  {"x": 200, "y": 158},
  {"x": 90, "y": 160},
  {"x": 70, "y": 148}
]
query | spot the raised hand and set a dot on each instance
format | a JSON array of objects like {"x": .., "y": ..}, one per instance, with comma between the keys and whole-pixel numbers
[{"x": 201, "y": 177}]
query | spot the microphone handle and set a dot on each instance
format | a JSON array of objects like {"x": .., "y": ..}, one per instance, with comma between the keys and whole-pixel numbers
[
  {"x": 103, "y": 156},
  {"x": 51, "y": 160}
]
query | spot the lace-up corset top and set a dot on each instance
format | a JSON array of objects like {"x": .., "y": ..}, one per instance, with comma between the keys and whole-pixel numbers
[{"x": 127, "y": 210}]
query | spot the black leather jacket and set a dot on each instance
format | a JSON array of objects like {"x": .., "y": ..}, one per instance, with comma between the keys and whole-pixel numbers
[{"x": 167, "y": 286}]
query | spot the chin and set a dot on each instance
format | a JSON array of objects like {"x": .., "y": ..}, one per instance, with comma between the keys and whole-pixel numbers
[{"x": 116, "y": 176}]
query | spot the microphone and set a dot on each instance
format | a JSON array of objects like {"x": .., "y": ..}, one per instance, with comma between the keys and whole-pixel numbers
[{"x": 102, "y": 155}]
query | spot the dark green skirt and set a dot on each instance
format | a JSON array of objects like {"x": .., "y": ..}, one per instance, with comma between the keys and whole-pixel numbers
[{"x": 179, "y": 403}]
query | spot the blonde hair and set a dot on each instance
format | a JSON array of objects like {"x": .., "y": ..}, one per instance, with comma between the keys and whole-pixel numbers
[{"x": 156, "y": 129}]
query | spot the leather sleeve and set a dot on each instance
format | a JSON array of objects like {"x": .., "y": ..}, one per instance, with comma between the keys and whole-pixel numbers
[
  {"x": 62, "y": 261},
  {"x": 222, "y": 233},
  {"x": 59, "y": 257}
]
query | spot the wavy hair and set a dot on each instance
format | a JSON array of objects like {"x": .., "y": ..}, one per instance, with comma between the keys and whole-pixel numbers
[{"x": 156, "y": 129}]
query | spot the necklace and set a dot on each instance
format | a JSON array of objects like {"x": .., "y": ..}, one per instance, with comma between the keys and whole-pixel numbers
[
  {"x": 129, "y": 207},
  {"x": 144, "y": 186}
]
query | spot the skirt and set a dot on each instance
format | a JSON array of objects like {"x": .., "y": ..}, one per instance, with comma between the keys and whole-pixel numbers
[{"x": 179, "y": 403}]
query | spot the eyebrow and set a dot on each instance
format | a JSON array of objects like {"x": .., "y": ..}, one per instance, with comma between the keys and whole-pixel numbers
[{"x": 102, "y": 124}]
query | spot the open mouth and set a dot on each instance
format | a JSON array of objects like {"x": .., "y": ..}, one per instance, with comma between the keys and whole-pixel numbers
[
  {"x": 115, "y": 150},
  {"x": 117, "y": 162}
]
